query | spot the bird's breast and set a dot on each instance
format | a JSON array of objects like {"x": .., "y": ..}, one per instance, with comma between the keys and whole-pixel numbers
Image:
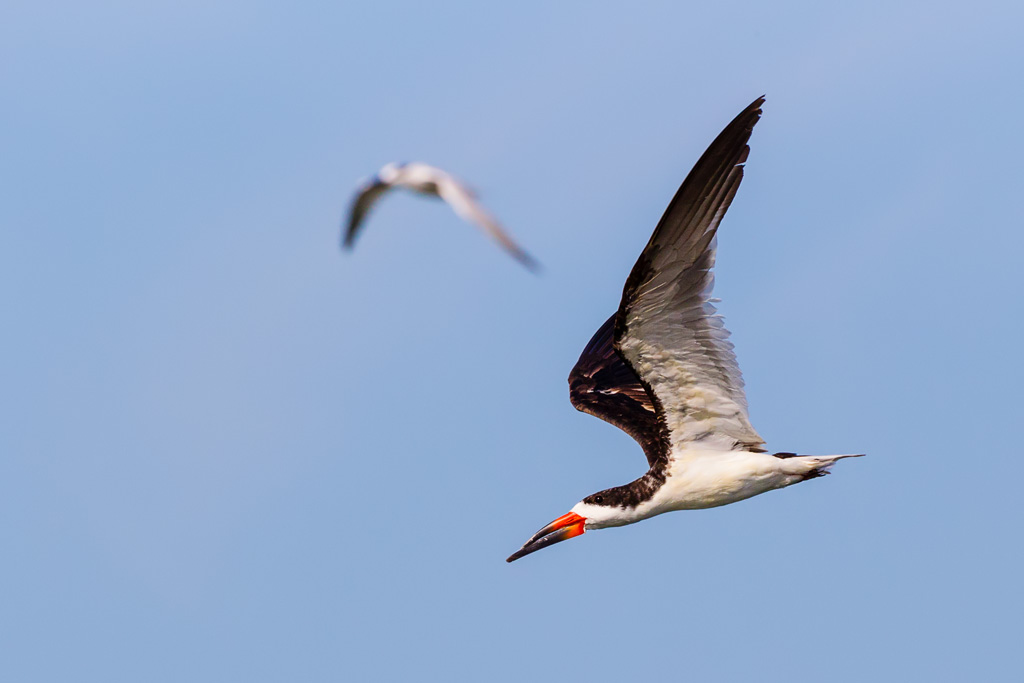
[{"x": 704, "y": 479}]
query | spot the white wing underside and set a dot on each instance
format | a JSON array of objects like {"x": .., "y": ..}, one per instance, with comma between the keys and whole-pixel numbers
[{"x": 678, "y": 344}]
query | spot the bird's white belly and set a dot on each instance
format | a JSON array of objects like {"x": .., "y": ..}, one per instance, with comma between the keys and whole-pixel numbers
[{"x": 705, "y": 479}]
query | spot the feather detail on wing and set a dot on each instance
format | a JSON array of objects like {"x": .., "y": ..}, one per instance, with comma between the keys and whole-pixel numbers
[
  {"x": 667, "y": 328},
  {"x": 604, "y": 385}
]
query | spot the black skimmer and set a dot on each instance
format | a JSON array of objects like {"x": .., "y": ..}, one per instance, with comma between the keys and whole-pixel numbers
[
  {"x": 662, "y": 369},
  {"x": 434, "y": 182}
]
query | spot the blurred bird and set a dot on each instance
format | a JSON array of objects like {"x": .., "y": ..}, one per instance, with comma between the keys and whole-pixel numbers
[
  {"x": 662, "y": 370},
  {"x": 434, "y": 182}
]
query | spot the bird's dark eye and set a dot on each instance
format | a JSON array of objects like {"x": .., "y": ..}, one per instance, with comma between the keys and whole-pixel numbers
[{"x": 598, "y": 499}]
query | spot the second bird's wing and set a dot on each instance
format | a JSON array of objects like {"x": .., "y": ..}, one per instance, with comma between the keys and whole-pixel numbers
[
  {"x": 366, "y": 196},
  {"x": 465, "y": 204}
]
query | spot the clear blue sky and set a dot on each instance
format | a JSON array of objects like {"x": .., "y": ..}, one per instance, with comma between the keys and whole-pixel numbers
[{"x": 232, "y": 453}]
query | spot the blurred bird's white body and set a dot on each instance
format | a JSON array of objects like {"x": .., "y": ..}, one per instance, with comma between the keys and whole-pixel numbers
[{"x": 415, "y": 176}]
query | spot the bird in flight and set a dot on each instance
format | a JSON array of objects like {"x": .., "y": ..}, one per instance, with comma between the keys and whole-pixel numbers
[
  {"x": 662, "y": 369},
  {"x": 431, "y": 181}
]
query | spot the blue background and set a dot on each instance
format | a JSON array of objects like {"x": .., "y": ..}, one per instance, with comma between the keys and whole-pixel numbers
[{"x": 231, "y": 452}]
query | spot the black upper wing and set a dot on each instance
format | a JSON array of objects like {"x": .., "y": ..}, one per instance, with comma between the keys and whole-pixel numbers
[{"x": 604, "y": 385}]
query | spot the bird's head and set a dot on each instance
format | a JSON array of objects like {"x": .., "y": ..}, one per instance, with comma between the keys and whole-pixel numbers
[
  {"x": 389, "y": 173},
  {"x": 598, "y": 511}
]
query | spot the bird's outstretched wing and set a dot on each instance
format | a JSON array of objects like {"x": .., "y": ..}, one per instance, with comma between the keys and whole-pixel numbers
[
  {"x": 667, "y": 327},
  {"x": 662, "y": 368},
  {"x": 463, "y": 201},
  {"x": 604, "y": 385},
  {"x": 366, "y": 196}
]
